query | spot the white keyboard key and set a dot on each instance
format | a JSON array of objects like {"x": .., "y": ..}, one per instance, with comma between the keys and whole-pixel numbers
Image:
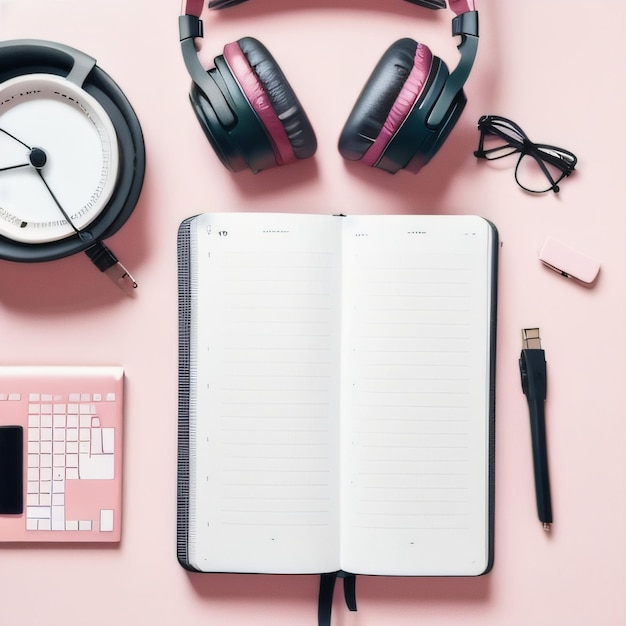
[
  {"x": 57, "y": 521},
  {"x": 84, "y": 434},
  {"x": 95, "y": 422},
  {"x": 98, "y": 467},
  {"x": 38, "y": 512},
  {"x": 45, "y": 499},
  {"x": 111, "y": 397},
  {"x": 97, "y": 397},
  {"x": 33, "y": 473},
  {"x": 15, "y": 397},
  {"x": 96, "y": 441},
  {"x": 58, "y": 473},
  {"x": 106, "y": 520},
  {"x": 33, "y": 460},
  {"x": 32, "y": 486},
  {"x": 59, "y": 434},
  {"x": 72, "y": 473},
  {"x": 33, "y": 434},
  {"x": 45, "y": 473},
  {"x": 71, "y": 525},
  {"x": 43, "y": 524},
  {"x": 58, "y": 499},
  {"x": 58, "y": 460},
  {"x": 84, "y": 524},
  {"x": 45, "y": 434},
  {"x": 33, "y": 397},
  {"x": 31, "y": 524},
  {"x": 108, "y": 440}
]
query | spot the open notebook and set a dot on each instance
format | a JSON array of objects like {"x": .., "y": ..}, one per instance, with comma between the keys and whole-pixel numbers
[{"x": 336, "y": 408}]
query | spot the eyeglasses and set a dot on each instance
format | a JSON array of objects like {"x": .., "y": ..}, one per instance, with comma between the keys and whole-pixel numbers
[{"x": 539, "y": 168}]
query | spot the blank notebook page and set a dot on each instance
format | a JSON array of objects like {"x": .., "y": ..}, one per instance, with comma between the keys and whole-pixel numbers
[
  {"x": 415, "y": 402},
  {"x": 267, "y": 358}
]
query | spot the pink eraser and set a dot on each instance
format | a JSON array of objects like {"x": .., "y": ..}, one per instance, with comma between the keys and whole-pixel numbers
[{"x": 568, "y": 262}]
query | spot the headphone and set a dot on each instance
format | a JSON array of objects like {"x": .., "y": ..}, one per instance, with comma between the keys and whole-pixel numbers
[{"x": 253, "y": 119}]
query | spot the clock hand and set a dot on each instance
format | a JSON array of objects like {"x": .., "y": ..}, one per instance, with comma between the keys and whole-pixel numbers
[
  {"x": 13, "y": 167},
  {"x": 56, "y": 201},
  {"x": 99, "y": 254},
  {"x": 35, "y": 155},
  {"x": 14, "y": 137}
]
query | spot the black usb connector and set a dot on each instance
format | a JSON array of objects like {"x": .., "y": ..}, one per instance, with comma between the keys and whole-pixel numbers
[
  {"x": 102, "y": 257},
  {"x": 532, "y": 364}
]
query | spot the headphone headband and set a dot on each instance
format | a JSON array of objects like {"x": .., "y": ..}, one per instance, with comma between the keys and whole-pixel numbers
[
  {"x": 194, "y": 7},
  {"x": 428, "y": 4}
]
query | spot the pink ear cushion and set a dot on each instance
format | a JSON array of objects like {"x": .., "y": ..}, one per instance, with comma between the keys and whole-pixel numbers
[
  {"x": 259, "y": 101},
  {"x": 409, "y": 93}
]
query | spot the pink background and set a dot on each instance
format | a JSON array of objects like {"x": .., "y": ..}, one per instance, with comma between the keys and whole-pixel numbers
[{"x": 556, "y": 68}]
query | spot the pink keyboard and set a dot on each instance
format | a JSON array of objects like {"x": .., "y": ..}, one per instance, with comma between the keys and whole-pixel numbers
[{"x": 61, "y": 453}]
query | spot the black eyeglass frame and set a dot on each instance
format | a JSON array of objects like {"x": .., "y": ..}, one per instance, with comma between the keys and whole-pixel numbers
[{"x": 561, "y": 159}]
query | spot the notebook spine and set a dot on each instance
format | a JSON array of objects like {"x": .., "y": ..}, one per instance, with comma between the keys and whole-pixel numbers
[
  {"x": 184, "y": 377},
  {"x": 493, "y": 316}
]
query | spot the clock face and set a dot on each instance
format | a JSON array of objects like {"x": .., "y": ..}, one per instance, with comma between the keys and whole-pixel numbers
[{"x": 59, "y": 158}]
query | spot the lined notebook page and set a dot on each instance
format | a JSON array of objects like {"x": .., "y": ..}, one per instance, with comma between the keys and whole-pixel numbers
[
  {"x": 415, "y": 395},
  {"x": 266, "y": 335}
]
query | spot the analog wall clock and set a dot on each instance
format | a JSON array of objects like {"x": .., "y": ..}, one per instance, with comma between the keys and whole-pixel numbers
[{"x": 72, "y": 156}]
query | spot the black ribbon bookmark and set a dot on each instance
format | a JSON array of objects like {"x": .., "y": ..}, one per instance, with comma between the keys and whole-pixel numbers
[{"x": 327, "y": 588}]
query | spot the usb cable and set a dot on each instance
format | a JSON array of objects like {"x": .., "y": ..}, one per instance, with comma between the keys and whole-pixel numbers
[{"x": 532, "y": 364}]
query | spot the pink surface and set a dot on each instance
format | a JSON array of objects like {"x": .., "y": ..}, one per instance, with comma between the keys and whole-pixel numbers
[{"x": 66, "y": 312}]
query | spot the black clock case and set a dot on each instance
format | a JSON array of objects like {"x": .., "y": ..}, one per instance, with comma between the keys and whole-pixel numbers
[{"x": 33, "y": 56}]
